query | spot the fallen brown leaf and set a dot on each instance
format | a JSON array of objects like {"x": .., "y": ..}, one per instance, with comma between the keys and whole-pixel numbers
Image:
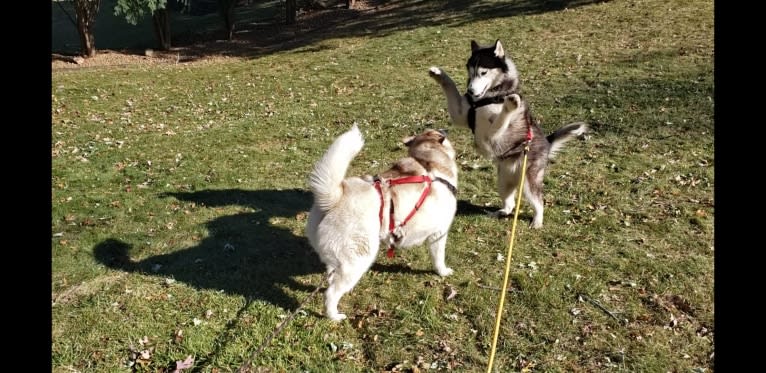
[
  {"x": 449, "y": 292},
  {"x": 186, "y": 364}
]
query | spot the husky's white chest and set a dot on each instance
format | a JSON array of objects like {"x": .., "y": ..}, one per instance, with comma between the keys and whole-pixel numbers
[{"x": 486, "y": 129}]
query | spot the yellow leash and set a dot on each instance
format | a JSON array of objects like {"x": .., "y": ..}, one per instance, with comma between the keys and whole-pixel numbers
[{"x": 508, "y": 261}]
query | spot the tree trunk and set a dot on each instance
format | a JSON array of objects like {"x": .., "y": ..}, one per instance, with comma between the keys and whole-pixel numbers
[
  {"x": 87, "y": 42},
  {"x": 161, "y": 21},
  {"x": 230, "y": 21},
  {"x": 291, "y": 12},
  {"x": 86, "y": 11},
  {"x": 226, "y": 8}
]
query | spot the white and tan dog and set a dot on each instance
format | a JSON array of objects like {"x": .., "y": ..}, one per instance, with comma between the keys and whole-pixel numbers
[{"x": 412, "y": 202}]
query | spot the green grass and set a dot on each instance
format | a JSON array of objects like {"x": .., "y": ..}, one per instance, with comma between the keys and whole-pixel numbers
[{"x": 179, "y": 193}]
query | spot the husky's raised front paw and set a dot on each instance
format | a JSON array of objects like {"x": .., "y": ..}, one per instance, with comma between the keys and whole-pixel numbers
[
  {"x": 511, "y": 103},
  {"x": 435, "y": 73}
]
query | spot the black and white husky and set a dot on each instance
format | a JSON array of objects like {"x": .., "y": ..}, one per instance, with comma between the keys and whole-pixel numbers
[{"x": 501, "y": 123}]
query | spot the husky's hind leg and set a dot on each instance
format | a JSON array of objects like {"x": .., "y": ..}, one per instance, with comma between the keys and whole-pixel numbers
[
  {"x": 533, "y": 191},
  {"x": 507, "y": 185}
]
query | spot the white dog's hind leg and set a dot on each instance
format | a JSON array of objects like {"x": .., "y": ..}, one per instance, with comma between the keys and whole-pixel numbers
[
  {"x": 342, "y": 281},
  {"x": 437, "y": 248}
]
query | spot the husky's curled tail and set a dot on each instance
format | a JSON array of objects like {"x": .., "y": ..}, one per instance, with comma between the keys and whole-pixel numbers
[
  {"x": 327, "y": 177},
  {"x": 558, "y": 138}
]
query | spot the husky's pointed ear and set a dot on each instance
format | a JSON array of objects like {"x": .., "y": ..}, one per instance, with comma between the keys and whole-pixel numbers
[
  {"x": 474, "y": 46},
  {"x": 499, "y": 52},
  {"x": 408, "y": 140}
]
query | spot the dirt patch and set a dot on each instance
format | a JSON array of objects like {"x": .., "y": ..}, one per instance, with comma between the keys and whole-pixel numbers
[{"x": 84, "y": 289}]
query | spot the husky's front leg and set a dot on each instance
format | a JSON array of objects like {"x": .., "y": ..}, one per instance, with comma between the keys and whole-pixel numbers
[
  {"x": 457, "y": 104},
  {"x": 437, "y": 247},
  {"x": 508, "y": 114}
]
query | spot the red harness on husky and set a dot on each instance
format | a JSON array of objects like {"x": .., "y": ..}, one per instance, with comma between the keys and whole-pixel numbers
[{"x": 402, "y": 180}]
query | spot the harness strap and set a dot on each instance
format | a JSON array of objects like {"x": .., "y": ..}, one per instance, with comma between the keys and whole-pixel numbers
[
  {"x": 477, "y": 104},
  {"x": 452, "y": 188},
  {"x": 380, "y": 193},
  {"x": 496, "y": 100},
  {"x": 391, "y": 227},
  {"x": 412, "y": 179},
  {"x": 402, "y": 180}
]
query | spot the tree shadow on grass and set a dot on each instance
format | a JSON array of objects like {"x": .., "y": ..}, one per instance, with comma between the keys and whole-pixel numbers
[{"x": 376, "y": 18}]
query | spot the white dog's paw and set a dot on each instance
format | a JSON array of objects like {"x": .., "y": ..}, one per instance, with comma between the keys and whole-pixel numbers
[
  {"x": 511, "y": 102},
  {"x": 446, "y": 271},
  {"x": 337, "y": 317},
  {"x": 536, "y": 223},
  {"x": 435, "y": 72}
]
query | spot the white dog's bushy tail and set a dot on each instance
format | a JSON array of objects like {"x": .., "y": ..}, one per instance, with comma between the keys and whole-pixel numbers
[
  {"x": 326, "y": 179},
  {"x": 564, "y": 134}
]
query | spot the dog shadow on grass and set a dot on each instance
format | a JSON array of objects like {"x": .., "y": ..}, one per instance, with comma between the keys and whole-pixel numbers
[
  {"x": 248, "y": 254},
  {"x": 466, "y": 208}
]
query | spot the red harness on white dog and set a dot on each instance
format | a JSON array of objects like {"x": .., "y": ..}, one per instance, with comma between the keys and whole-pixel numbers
[
  {"x": 391, "y": 224},
  {"x": 405, "y": 180}
]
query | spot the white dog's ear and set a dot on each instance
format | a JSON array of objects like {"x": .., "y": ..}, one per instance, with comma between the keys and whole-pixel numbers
[
  {"x": 474, "y": 46},
  {"x": 499, "y": 52},
  {"x": 442, "y": 135},
  {"x": 408, "y": 140}
]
